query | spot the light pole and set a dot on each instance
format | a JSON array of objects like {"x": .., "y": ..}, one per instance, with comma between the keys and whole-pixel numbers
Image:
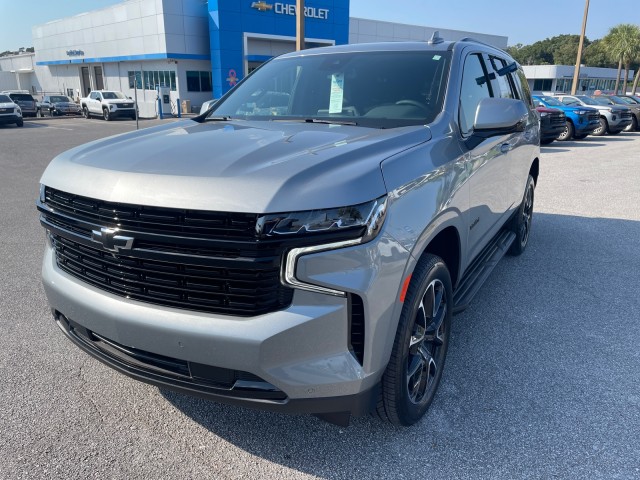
[
  {"x": 576, "y": 71},
  {"x": 299, "y": 25}
]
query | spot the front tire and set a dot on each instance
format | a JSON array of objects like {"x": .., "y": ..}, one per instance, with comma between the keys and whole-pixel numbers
[
  {"x": 580, "y": 137},
  {"x": 85, "y": 112},
  {"x": 20, "y": 123},
  {"x": 420, "y": 347},
  {"x": 106, "y": 115},
  {"x": 521, "y": 223},
  {"x": 567, "y": 133},
  {"x": 602, "y": 128}
]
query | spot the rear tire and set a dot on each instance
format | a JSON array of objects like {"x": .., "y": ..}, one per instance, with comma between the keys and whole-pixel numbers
[
  {"x": 419, "y": 350},
  {"x": 521, "y": 223},
  {"x": 568, "y": 132}
]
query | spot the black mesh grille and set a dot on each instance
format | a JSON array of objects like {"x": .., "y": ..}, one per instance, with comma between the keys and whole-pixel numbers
[
  {"x": 625, "y": 115},
  {"x": 202, "y": 261},
  {"x": 594, "y": 116},
  {"x": 356, "y": 327},
  {"x": 557, "y": 119}
]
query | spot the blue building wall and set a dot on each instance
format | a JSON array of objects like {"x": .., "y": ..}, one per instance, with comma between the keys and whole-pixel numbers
[{"x": 230, "y": 19}]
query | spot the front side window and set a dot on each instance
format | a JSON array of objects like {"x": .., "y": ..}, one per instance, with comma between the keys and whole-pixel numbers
[
  {"x": 475, "y": 87},
  {"x": 378, "y": 89}
]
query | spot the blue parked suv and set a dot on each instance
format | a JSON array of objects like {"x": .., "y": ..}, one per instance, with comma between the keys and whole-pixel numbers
[{"x": 581, "y": 121}]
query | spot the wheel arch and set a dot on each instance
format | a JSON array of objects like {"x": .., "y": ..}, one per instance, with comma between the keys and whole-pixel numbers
[
  {"x": 446, "y": 245},
  {"x": 534, "y": 170}
]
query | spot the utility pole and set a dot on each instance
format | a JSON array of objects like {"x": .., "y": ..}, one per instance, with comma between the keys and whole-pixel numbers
[
  {"x": 299, "y": 25},
  {"x": 576, "y": 71}
]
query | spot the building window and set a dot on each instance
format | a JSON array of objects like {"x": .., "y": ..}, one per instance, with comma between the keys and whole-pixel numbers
[
  {"x": 153, "y": 79},
  {"x": 540, "y": 84},
  {"x": 198, "y": 81}
]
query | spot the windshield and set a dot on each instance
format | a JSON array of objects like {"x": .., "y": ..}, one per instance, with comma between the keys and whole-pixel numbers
[
  {"x": 603, "y": 101},
  {"x": 376, "y": 89},
  {"x": 60, "y": 99},
  {"x": 552, "y": 101},
  {"x": 624, "y": 100},
  {"x": 5, "y": 99},
  {"x": 113, "y": 95},
  {"x": 587, "y": 100}
]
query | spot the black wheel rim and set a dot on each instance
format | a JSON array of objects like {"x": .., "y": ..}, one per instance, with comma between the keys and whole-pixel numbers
[
  {"x": 426, "y": 344},
  {"x": 527, "y": 213}
]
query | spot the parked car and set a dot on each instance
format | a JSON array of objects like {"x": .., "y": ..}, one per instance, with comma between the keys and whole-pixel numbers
[
  {"x": 59, "y": 105},
  {"x": 579, "y": 121},
  {"x": 613, "y": 119},
  {"x": 631, "y": 104},
  {"x": 553, "y": 122},
  {"x": 24, "y": 100},
  {"x": 9, "y": 111},
  {"x": 307, "y": 258},
  {"x": 108, "y": 104}
]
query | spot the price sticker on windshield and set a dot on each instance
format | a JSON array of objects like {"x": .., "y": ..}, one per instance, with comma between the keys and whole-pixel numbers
[{"x": 337, "y": 93}]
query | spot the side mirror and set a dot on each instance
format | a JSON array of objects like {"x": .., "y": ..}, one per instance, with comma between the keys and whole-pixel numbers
[{"x": 498, "y": 116}]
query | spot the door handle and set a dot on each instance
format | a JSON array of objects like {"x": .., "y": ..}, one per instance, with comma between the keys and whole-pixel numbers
[{"x": 505, "y": 147}]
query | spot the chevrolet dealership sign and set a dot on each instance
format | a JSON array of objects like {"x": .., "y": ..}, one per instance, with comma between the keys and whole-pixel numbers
[{"x": 290, "y": 9}]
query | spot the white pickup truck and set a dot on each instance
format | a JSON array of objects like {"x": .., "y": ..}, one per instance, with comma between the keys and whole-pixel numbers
[{"x": 108, "y": 104}]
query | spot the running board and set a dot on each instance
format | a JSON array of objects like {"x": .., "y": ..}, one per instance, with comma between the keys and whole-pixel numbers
[{"x": 480, "y": 269}]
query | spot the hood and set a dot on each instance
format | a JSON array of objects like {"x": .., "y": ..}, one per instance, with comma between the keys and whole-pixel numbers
[
  {"x": 548, "y": 110},
  {"x": 8, "y": 105},
  {"x": 238, "y": 166}
]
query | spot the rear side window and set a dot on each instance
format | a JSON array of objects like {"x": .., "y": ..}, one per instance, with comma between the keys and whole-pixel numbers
[
  {"x": 24, "y": 97},
  {"x": 522, "y": 86},
  {"x": 475, "y": 87}
]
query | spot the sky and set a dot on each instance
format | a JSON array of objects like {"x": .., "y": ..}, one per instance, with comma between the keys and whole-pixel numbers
[{"x": 523, "y": 21}]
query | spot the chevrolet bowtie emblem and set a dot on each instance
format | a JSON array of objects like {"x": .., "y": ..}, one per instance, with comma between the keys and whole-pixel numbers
[
  {"x": 110, "y": 241},
  {"x": 262, "y": 6}
]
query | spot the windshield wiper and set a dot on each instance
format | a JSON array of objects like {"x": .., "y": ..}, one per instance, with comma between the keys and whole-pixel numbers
[{"x": 328, "y": 121}]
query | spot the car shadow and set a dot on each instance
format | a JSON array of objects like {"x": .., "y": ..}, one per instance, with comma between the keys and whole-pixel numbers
[{"x": 516, "y": 366}]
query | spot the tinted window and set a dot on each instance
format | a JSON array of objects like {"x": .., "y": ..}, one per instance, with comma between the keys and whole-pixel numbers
[
  {"x": 5, "y": 99},
  {"x": 23, "y": 97},
  {"x": 378, "y": 89},
  {"x": 522, "y": 86},
  {"x": 59, "y": 99},
  {"x": 475, "y": 87}
]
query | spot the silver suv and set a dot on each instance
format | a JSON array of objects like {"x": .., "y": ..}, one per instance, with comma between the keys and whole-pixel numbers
[{"x": 302, "y": 246}]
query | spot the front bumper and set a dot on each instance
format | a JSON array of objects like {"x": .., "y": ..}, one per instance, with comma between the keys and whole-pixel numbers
[
  {"x": 12, "y": 118},
  {"x": 122, "y": 112},
  {"x": 303, "y": 352}
]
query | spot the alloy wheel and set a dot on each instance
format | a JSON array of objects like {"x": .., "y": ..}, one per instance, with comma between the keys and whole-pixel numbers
[{"x": 426, "y": 351}]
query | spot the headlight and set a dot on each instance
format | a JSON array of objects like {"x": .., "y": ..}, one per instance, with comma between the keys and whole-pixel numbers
[
  {"x": 357, "y": 221},
  {"x": 361, "y": 223},
  {"x": 543, "y": 114},
  {"x": 582, "y": 112}
]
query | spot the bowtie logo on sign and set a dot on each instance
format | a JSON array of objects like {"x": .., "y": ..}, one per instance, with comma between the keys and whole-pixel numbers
[{"x": 261, "y": 6}]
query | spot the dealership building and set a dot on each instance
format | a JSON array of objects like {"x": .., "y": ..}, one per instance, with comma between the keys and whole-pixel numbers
[{"x": 192, "y": 50}]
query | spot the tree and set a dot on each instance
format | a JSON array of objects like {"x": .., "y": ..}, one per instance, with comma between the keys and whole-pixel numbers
[
  {"x": 558, "y": 50},
  {"x": 623, "y": 44}
]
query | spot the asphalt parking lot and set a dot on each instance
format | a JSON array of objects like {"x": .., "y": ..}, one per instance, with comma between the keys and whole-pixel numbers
[{"x": 542, "y": 378}]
